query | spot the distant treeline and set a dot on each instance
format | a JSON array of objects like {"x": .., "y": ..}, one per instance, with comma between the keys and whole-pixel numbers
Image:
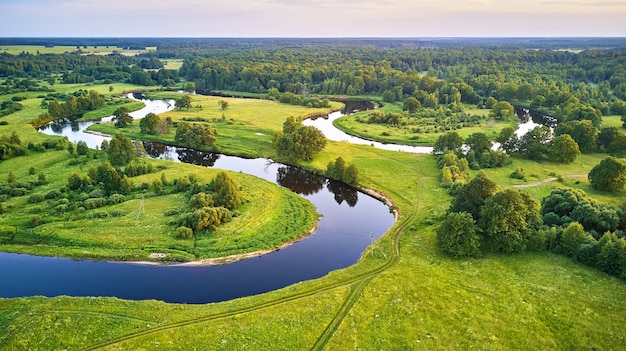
[
  {"x": 75, "y": 68},
  {"x": 395, "y": 43}
]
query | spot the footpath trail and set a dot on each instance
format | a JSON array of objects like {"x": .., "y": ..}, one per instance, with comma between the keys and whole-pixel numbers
[
  {"x": 530, "y": 185},
  {"x": 547, "y": 180},
  {"x": 358, "y": 283}
]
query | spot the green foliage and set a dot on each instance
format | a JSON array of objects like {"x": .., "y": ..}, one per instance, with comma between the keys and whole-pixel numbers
[
  {"x": 194, "y": 135},
  {"x": 572, "y": 238},
  {"x": 607, "y": 136},
  {"x": 206, "y": 218},
  {"x": 411, "y": 104},
  {"x": 82, "y": 148},
  {"x": 502, "y": 110},
  {"x": 379, "y": 117},
  {"x": 472, "y": 196},
  {"x": 585, "y": 112},
  {"x": 184, "y": 102},
  {"x": 122, "y": 117},
  {"x": 338, "y": 170},
  {"x": 77, "y": 104},
  {"x": 149, "y": 124},
  {"x": 183, "y": 232},
  {"x": 583, "y": 132},
  {"x": 223, "y": 104},
  {"x": 563, "y": 149},
  {"x": 121, "y": 150},
  {"x": 564, "y": 206},
  {"x": 450, "y": 141},
  {"x": 457, "y": 236},
  {"x": 518, "y": 174},
  {"x": 534, "y": 144},
  {"x": 609, "y": 175},
  {"x": 508, "y": 219},
  {"x": 226, "y": 192},
  {"x": 478, "y": 142},
  {"x": 298, "y": 142}
]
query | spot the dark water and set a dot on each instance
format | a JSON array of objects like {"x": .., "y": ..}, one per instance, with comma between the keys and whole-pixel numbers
[
  {"x": 348, "y": 218},
  {"x": 526, "y": 115}
]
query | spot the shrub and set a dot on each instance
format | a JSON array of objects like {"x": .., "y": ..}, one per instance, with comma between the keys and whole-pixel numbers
[
  {"x": 116, "y": 199},
  {"x": 18, "y": 192},
  {"x": 35, "y": 221},
  {"x": 53, "y": 194},
  {"x": 35, "y": 198},
  {"x": 183, "y": 232},
  {"x": 92, "y": 203},
  {"x": 117, "y": 213},
  {"x": 518, "y": 174},
  {"x": 58, "y": 209}
]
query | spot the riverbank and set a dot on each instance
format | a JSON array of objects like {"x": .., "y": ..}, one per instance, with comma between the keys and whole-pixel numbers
[{"x": 222, "y": 260}]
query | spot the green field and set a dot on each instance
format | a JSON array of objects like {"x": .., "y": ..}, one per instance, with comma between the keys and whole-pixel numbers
[
  {"x": 414, "y": 299},
  {"x": 404, "y": 134},
  {"x": 99, "y": 50},
  {"x": 245, "y": 128}
]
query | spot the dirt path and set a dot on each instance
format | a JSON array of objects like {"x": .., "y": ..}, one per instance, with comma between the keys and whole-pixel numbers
[
  {"x": 548, "y": 180},
  {"x": 520, "y": 186}
]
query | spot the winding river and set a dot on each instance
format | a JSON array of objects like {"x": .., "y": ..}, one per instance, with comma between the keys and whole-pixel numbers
[{"x": 349, "y": 221}]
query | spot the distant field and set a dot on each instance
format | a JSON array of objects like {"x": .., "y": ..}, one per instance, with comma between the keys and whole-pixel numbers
[
  {"x": 172, "y": 63},
  {"x": 97, "y": 50}
]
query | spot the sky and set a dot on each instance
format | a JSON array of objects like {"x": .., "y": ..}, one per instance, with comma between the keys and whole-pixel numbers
[{"x": 312, "y": 18}]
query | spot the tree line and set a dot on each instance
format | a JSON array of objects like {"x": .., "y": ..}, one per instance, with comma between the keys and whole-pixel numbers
[{"x": 482, "y": 219}]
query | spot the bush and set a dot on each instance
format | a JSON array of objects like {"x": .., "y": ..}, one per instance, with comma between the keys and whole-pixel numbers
[
  {"x": 53, "y": 194},
  {"x": 183, "y": 232},
  {"x": 518, "y": 174},
  {"x": 116, "y": 199},
  {"x": 35, "y": 198},
  {"x": 61, "y": 208},
  {"x": 99, "y": 214},
  {"x": 92, "y": 203},
  {"x": 117, "y": 213},
  {"x": 35, "y": 221},
  {"x": 18, "y": 192}
]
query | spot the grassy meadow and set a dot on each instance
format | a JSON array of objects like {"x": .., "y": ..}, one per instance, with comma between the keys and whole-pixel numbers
[
  {"x": 88, "y": 50},
  {"x": 415, "y": 299},
  {"x": 404, "y": 134},
  {"x": 245, "y": 128}
]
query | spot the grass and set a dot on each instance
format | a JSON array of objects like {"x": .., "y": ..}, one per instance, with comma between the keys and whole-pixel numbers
[
  {"x": 100, "y": 50},
  {"x": 245, "y": 128},
  {"x": 405, "y": 134},
  {"x": 271, "y": 216},
  {"x": 423, "y": 300},
  {"x": 109, "y": 110}
]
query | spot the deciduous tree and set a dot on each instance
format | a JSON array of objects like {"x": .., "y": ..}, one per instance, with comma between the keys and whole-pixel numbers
[
  {"x": 457, "y": 235},
  {"x": 122, "y": 118},
  {"x": 563, "y": 149},
  {"x": 609, "y": 175}
]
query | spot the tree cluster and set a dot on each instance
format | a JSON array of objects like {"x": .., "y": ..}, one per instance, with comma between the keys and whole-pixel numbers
[
  {"x": 194, "y": 135},
  {"x": 153, "y": 124},
  {"x": 210, "y": 205},
  {"x": 76, "y": 104},
  {"x": 483, "y": 220},
  {"x": 338, "y": 170},
  {"x": 298, "y": 142},
  {"x": 480, "y": 220},
  {"x": 540, "y": 143}
]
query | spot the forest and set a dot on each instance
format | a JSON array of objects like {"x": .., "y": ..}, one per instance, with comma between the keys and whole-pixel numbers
[{"x": 489, "y": 215}]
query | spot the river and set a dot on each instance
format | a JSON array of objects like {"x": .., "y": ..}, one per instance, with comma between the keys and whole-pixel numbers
[{"x": 350, "y": 219}]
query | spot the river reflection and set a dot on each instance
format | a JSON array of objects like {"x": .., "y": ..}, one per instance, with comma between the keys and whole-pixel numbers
[{"x": 299, "y": 180}]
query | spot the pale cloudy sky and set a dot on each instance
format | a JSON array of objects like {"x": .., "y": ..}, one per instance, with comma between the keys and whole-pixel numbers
[{"x": 312, "y": 18}]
